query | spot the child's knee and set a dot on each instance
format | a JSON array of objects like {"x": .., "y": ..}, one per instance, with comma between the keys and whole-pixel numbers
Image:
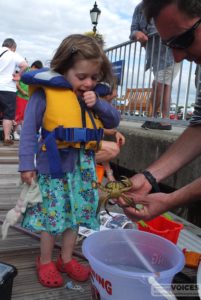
[{"x": 114, "y": 151}]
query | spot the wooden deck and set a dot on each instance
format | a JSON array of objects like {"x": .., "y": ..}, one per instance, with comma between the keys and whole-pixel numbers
[{"x": 20, "y": 248}]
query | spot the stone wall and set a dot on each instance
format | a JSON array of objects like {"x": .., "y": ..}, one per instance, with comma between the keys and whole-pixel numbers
[{"x": 145, "y": 146}]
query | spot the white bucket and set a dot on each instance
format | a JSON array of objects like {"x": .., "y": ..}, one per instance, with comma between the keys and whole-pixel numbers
[{"x": 119, "y": 273}]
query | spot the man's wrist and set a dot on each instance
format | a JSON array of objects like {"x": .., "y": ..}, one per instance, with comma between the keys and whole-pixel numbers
[{"x": 152, "y": 180}]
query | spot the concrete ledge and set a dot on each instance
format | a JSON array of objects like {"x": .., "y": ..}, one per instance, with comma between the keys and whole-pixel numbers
[{"x": 145, "y": 146}]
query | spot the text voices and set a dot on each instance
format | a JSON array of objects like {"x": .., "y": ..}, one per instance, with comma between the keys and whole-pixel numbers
[{"x": 104, "y": 283}]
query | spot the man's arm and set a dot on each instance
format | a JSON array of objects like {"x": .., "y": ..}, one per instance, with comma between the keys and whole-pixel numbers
[
  {"x": 184, "y": 150},
  {"x": 155, "y": 204},
  {"x": 138, "y": 22},
  {"x": 20, "y": 89},
  {"x": 23, "y": 66},
  {"x": 135, "y": 25}
]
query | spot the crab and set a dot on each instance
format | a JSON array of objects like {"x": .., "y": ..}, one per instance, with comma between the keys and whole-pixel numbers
[{"x": 113, "y": 190}]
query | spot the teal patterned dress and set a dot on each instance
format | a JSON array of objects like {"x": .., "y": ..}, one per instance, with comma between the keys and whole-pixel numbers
[{"x": 67, "y": 202}]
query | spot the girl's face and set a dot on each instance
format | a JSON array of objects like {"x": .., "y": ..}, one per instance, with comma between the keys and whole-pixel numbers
[{"x": 83, "y": 76}]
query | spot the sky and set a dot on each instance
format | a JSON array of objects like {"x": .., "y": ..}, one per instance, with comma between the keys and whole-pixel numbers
[{"x": 39, "y": 26}]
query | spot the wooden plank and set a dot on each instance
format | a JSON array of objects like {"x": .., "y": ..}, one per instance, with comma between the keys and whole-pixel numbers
[
  {"x": 26, "y": 285},
  {"x": 20, "y": 249}
]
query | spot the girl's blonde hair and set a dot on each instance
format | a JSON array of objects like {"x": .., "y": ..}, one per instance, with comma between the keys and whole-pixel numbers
[{"x": 77, "y": 47}]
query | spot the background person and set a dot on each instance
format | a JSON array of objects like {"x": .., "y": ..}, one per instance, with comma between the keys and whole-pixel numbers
[
  {"x": 183, "y": 35},
  {"x": 37, "y": 64},
  {"x": 9, "y": 61},
  {"x": 22, "y": 99},
  {"x": 110, "y": 149},
  {"x": 69, "y": 200},
  {"x": 161, "y": 60}
]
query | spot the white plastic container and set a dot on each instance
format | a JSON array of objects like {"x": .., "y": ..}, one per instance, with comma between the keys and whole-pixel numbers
[{"x": 119, "y": 273}]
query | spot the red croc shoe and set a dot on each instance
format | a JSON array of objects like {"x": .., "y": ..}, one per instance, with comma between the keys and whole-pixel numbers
[
  {"x": 74, "y": 269},
  {"x": 48, "y": 274}
]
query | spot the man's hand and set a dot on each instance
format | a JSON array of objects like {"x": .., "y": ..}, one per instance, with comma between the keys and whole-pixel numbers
[
  {"x": 140, "y": 186},
  {"x": 141, "y": 37},
  {"x": 151, "y": 206}
]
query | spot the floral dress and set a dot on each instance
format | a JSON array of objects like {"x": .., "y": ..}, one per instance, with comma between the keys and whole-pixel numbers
[{"x": 67, "y": 202}]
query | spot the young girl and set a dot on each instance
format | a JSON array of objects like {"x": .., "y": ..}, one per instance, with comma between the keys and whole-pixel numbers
[
  {"x": 109, "y": 149},
  {"x": 65, "y": 105}
]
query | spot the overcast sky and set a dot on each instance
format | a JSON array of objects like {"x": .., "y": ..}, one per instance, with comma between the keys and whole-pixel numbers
[{"x": 38, "y": 26}]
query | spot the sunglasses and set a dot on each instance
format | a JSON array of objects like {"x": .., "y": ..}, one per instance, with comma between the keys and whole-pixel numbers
[{"x": 183, "y": 40}]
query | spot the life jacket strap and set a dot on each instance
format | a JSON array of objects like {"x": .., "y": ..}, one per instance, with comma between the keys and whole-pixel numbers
[
  {"x": 53, "y": 156},
  {"x": 80, "y": 135},
  {"x": 75, "y": 135}
]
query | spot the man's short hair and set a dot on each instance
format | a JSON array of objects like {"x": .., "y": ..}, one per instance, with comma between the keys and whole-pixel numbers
[
  {"x": 9, "y": 43},
  {"x": 152, "y": 8}
]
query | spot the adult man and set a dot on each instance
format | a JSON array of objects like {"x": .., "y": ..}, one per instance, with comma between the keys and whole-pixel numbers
[
  {"x": 9, "y": 61},
  {"x": 158, "y": 57},
  {"x": 183, "y": 35}
]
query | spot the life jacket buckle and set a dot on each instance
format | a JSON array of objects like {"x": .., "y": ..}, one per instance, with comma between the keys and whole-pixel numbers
[{"x": 80, "y": 135}]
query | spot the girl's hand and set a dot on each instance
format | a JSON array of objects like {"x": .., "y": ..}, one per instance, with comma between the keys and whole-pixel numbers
[
  {"x": 89, "y": 98},
  {"x": 28, "y": 176},
  {"x": 120, "y": 139}
]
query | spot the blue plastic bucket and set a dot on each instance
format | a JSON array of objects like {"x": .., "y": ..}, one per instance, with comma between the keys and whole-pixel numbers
[{"x": 119, "y": 273}]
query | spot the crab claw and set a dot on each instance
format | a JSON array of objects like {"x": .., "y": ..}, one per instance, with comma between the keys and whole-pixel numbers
[{"x": 126, "y": 181}]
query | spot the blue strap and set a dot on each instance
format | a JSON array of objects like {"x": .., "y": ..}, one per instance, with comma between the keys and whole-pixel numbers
[
  {"x": 74, "y": 135},
  {"x": 53, "y": 156},
  {"x": 69, "y": 135}
]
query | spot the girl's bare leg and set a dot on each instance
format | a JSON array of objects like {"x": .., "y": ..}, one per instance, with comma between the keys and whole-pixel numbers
[
  {"x": 108, "y": 151},
  {"x": 68, "y": 244},
  {"x": 46, "y": 246}
]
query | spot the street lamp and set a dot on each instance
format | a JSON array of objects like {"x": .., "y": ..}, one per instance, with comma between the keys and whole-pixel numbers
[{"x": 94, "y": 14}]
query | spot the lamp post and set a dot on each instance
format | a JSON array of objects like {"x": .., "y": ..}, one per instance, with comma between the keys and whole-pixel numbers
[{"x": 94, "y": 14}]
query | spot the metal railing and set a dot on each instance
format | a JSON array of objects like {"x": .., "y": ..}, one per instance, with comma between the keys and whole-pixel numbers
[{"x": 135, "y": 86}]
